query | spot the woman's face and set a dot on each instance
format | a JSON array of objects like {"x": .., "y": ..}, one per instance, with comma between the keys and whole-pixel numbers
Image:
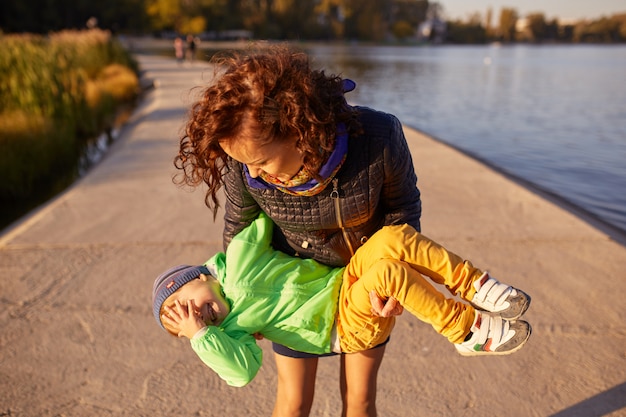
[{"x": 281, "y": 160}]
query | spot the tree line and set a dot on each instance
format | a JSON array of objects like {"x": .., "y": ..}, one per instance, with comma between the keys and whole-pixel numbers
[
  {"x": 368, "y": 20},
  {"x": 535, "y": 27}
]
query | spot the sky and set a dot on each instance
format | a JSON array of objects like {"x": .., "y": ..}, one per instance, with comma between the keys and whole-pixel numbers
[{"x": 562, "y": 9}]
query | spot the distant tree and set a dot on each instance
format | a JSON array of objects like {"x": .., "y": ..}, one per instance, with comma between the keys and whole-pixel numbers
[
  {"x": 192, "y": 25},
  {"x": 488, "y": 22},
  {"x": 565, "y": 32},
  {"x": 296, "y": 19},
  {"x": 403, "y": 30},
  {"x": 536, "y": 26},
  {"x": 412, "y": 12},
  {"x": 552, "y": 30},
  {"x": 603, "y": 30},
  {"x": 164, "y": 14},
  {"x": 471, "y": 32},
  {"x": 331, "y": 17},
  {"x": 259, "y": 17},
  {"x": 508, "y": 20},
  {"x": 43, "y": 16},
  {"x": 435, "y": 11},
  {"x": 122, "y": 16},
  {"x": 215, "y": 15},
  {"x": 475, "y": 19},
  {"x": 371, "y": 20},
  {"x": 367, "y": 20},
  {"x": 620, "y": 19}
]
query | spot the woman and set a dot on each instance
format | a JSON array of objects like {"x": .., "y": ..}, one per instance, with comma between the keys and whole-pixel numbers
[{"x": 280, "y": 138}]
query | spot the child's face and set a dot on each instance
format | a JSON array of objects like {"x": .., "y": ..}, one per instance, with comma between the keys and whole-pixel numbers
[{"x": 208, "y": 300}]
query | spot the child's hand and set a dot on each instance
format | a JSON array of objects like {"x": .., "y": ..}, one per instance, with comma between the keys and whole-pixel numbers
[
  {"x": 184, "y": 318},
  {"x": 390, "y": 308}
]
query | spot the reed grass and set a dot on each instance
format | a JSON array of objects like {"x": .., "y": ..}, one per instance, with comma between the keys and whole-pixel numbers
[{"x": 57, "y": 92}]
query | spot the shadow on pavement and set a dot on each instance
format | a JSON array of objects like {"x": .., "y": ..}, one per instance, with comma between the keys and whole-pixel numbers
[{"x": 599, "y": 405}]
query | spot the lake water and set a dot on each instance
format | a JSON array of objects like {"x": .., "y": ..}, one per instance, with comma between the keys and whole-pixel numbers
[{"x": 554, "y": 116}]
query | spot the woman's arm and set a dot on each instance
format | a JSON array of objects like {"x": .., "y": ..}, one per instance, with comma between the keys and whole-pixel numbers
[
  {"x": 400, "y": 194},
  {"x": 240, "y": 208}
]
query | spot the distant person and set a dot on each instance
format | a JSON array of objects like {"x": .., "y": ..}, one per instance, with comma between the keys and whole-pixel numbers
[
  {"x": 179, "y": 49},
  {"x": 92, "y": 23},
  {"x": 304, "y": 305},
  {"x": 191, "y": 47}
]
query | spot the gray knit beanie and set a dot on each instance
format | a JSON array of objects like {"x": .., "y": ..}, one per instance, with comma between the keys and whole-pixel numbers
[{"x": 171, "y": 280}]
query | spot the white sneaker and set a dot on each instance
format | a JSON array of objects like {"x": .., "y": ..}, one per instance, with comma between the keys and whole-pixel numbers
[
  {"x": 493, "y": 335},
  {"x": 495, "y": 297}
]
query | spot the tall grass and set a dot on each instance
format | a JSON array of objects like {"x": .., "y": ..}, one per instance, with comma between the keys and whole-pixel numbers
[{"x": 56, "y": 93}]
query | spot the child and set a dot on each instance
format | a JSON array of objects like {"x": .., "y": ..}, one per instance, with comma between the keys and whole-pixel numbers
[{"x": 300, "y": 303}]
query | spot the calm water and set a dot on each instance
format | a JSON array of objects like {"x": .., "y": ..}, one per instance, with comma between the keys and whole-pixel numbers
[{"x": 552, "y": 115}]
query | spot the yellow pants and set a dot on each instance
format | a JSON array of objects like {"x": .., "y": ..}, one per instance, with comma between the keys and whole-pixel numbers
[{"x": 392, "y": 262}]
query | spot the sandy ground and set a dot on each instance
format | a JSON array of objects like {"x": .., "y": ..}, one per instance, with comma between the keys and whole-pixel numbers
[{"x": 78, "y": 337}]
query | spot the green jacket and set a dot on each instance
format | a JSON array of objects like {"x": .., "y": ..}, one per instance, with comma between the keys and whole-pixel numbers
[{"x": 291, "y": 301}]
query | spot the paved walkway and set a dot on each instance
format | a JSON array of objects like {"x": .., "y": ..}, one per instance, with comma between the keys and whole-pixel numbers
[{"x": 78, "y": 337}]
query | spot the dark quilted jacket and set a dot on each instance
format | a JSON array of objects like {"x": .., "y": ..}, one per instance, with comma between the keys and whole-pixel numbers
[{"x": 376, "y": 186}]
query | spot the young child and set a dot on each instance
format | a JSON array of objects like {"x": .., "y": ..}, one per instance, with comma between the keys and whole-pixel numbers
[{"x": 300, "y": 303}]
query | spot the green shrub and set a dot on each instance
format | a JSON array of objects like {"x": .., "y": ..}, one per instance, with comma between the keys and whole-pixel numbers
[
  {"x": 35, "y": 155},
  {"x": 56, "y": 93}
]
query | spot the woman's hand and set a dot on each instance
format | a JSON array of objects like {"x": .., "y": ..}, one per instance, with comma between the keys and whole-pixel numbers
[
  {"x": 184, "y": 318},
  {"x": 391, "y": 308}
]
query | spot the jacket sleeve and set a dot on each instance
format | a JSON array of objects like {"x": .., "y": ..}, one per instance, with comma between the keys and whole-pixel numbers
[
  {"x": 236, "y": 359},
  {"x": 401, "y": 196},
  {"x": 240, "y": 208}
]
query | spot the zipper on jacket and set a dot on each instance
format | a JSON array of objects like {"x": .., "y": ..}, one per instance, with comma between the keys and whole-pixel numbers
[{"x": 335, "y": 196}]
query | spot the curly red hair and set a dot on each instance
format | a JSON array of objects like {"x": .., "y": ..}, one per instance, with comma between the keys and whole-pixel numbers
[{"x": 271, "y": 94}]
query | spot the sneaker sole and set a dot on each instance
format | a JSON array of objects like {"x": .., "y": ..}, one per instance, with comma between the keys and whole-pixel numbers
[{"x": 514, "y": 349}]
